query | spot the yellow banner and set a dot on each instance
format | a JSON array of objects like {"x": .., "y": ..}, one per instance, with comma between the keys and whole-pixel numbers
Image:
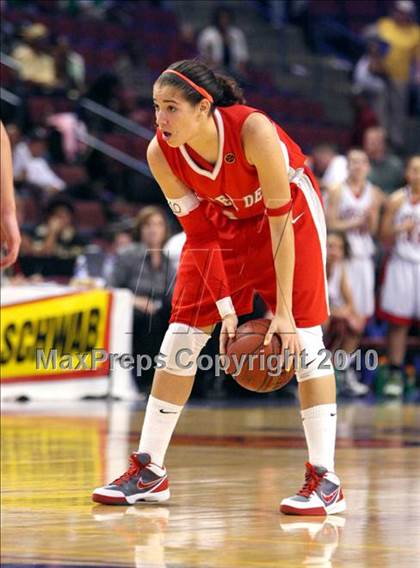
[{"x": 59, "y": 337}]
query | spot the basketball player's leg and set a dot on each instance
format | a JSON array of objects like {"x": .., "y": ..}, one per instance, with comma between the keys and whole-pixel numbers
[
  {"x": 321, "y": 493},
  {"x": 175, "y": 388},
  {"x": 400, "y": 306},
  {"x": 146, "y": 479},
  {"x": 397, "y": 343}
]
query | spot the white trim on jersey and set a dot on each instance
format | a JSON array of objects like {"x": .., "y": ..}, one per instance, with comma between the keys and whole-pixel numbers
[
  {"x": 211, "y": 175},
  {"x": 317, "y": 212},
  {"x": 285, "y": 156}
]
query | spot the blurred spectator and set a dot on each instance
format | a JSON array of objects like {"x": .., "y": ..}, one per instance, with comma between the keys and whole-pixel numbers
[
  {"x": 132, "y": 72},
  {"x": 71, "y": 131},
  {"x": 222, "y": 44},
  {"x": 32, "y": 168},
  {"x": 400, "y": 294},
  {"x": 329, "y": 167},
  {"x": 344, "y": 319},
  {"x": 402, "y": 34},
  {"x": 58, "y": 236},
  {"x": 186, "y": 46},
  {"x": 363, "y": 118},
  {"x": 105, "y": 91},
  {"x": 69, "y": 67},
  {"x": 36, "y": 63},
  {"x": 371, "y": 80},
  {"x": 386, "y": 169},
  {"x": 97, "y": 263},
  {"x": 145, "y": 269}
]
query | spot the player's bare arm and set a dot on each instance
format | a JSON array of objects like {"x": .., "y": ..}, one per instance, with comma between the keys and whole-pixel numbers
[
  {"x": 10, "y": 235},
  {"x": 373, "y": 215},
  {"x": 173, "y": 188},
  {"x": 334, "y": 223},
  {"x": 259, "y": 133},
  {"x": 389, "y": 230}
]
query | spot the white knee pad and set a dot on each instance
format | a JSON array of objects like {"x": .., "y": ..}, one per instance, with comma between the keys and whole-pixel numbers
[
  {"x": 316, "y": 360},
  {"x": 181, "y": 347}
]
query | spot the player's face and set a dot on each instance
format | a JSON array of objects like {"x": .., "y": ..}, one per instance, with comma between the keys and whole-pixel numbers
[
  {"x": 413, "y": 172},
  {"x": 335, "y": 248},
  {"x": 177, "y": 119},
  {"x": 358, "y": 164}
]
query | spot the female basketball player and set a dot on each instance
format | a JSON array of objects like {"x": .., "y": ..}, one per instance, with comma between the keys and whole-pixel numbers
[
  {"x": 254, "y": 220},
  {"x": 353, "y": 207},
  {"x": 400, "y": 294}
]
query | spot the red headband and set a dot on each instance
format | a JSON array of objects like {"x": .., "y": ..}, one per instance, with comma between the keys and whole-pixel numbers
[{"x": 200, "y": 90}]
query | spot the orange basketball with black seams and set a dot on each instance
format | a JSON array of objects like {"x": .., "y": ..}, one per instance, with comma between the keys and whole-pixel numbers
[{"x": 261, "y": 373}]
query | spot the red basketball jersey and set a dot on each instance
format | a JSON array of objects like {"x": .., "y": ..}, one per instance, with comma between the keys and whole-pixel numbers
[{"x": 232, "y": 182}]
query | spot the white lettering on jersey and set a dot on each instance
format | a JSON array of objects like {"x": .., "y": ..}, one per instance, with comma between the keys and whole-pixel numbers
[
  {"x": 224, "y": 200},
  {"x": 252, "y": 198}
]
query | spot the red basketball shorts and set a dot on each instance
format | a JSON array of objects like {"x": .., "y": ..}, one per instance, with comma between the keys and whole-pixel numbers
[{"x": 248, "y": 259}]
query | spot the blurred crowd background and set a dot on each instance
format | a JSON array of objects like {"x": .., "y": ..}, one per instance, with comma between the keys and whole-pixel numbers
[{"x": 76, "y": 82}]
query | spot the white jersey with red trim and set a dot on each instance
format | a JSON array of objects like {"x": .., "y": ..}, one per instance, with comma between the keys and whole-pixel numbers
[
  {"x": 407, "y": 244},
  {"x": 352, "y": 207}
]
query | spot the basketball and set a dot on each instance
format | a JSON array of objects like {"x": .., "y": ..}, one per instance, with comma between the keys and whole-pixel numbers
[{"x": 254, "y": 366}]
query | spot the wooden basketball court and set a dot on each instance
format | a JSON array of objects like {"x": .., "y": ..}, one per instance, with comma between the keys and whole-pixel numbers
[{"x": 228, "y": 469}]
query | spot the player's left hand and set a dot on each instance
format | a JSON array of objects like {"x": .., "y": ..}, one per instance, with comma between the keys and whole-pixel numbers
[{"x": 286, "y": 329}]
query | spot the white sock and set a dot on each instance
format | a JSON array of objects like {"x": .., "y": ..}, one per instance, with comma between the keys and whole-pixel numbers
[
  {"x": 158, "y": 426},
  {"x": 319, "y": 424}
]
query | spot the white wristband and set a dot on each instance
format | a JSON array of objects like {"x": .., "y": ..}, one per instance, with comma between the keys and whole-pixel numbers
[
  {"x": 225, "y": 307},
  {"x": 184, "y": 205}
]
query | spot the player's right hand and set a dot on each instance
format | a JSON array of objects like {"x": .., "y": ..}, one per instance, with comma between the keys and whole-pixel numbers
[{"x": 228, "y": 331}]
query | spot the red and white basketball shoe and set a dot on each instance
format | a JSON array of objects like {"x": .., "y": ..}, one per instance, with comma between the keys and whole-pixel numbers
[
  {"x": 144, "y": 481},
  {"x": 321, "y": 494}
]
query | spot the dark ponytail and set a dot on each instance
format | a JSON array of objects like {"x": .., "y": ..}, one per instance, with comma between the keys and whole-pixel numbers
[
  {"x": 224, "y": 90},
  {"x": 228, "y": 92}
]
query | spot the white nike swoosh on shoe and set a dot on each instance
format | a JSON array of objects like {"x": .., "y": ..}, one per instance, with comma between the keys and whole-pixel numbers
[{"x": 297, "y": 218}]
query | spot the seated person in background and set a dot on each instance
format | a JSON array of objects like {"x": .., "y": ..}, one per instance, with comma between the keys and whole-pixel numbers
[
  {"x": 33, "y": 55},
  {"x": 58, "y": 236},
  {"x": 30, "y": 166},
  {"x": 146, "y": 270},
  {"x": 400, "y": 294},
  {"x": 224, "y": 44},
  {"x": 96, "y": 265},
  {"x": 344, "y": 321},
  {"x": 370, "y": 78},
  {"x": 69, "y": 66},
  {"x": 386, "y": 169}
]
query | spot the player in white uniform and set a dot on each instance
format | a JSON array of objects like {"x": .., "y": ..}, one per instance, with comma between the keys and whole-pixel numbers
[
  {"x": 353, "y": 207},
  {"x": 400, "y": 294}
]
